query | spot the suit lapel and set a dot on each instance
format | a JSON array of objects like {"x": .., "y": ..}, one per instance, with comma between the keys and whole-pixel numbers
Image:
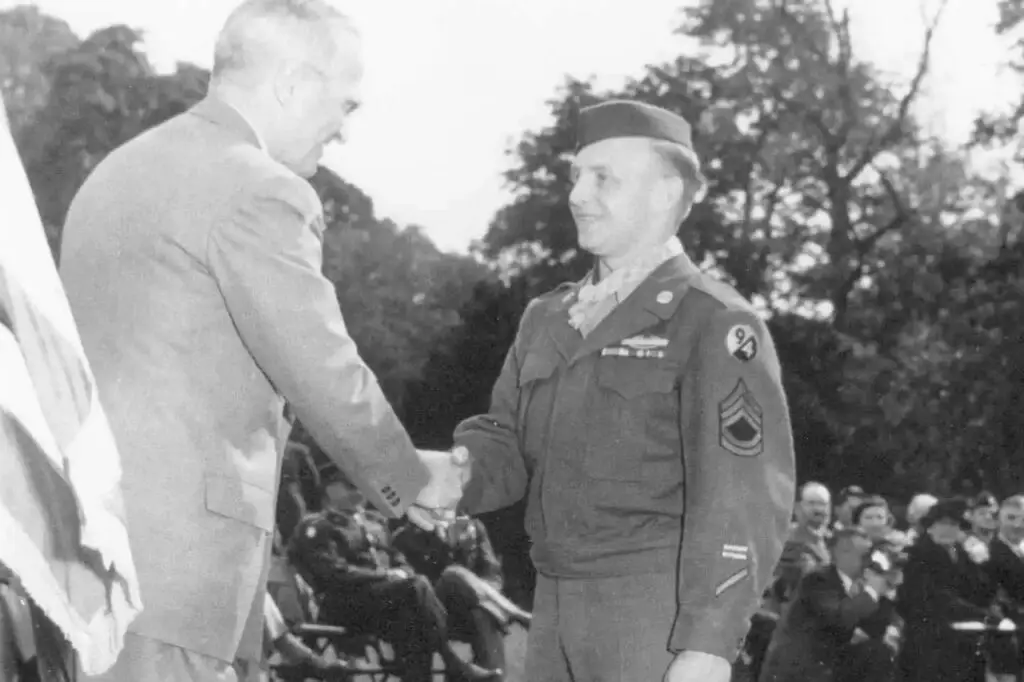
[{"x": 656, "y": 299}]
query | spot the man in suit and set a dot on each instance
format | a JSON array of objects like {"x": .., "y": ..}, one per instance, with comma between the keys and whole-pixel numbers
[
  {"x": 807, "y": 547},
  {"x": 1005, "y": 569},
  {"x": 192, "y": 261},
  {"x": 829, "y": 606},
  {"x": 805, "y": 550},
  {"x": 616, "y": 390}
]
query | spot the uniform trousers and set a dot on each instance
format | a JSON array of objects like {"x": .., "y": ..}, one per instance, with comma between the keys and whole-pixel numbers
[{"x": 601, "y": 630}]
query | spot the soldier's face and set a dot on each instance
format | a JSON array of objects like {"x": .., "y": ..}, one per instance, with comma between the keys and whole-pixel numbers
[{"x": 619, "y": 185}]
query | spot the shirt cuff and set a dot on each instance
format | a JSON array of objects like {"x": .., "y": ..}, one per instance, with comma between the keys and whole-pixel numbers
[{"x": 872, "y": 592}]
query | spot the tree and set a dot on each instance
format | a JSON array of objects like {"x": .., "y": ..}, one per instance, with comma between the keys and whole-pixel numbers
[
  {"x": 29, "y": 40},
  {"x": 102, "y": 92}
]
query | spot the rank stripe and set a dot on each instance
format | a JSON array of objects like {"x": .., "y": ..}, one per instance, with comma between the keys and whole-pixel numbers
[
  {"x": 736, "y": 548},
  {"x": 731, "y": 581},
  {"x": 735, "y": 555}
]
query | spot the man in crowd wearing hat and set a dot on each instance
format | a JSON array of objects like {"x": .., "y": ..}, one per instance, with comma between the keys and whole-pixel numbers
[
  {"x": 641, "y": 413},
  {"x": 832, "y": 608}
]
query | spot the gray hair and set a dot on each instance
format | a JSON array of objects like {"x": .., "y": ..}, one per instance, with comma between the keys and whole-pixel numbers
[
  {"x": 259, "y": 34},
  {"x": 682, "y": 161}
]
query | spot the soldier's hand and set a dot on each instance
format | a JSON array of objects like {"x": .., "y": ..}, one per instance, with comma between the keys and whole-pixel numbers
[{"x": 697, "y": 666}]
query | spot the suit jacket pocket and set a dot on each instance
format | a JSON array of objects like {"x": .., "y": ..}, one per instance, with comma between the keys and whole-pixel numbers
[{"x": 241, "y": 501}]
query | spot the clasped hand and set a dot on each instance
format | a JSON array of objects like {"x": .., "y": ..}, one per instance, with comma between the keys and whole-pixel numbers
[{"x": 449, "y": 473}]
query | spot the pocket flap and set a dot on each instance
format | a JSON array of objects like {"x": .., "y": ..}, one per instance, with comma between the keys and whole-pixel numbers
[
  {"x": 241, "y": 501},
  {"x": 537, "y": 366},
  {"x": 630, "y": 378}
]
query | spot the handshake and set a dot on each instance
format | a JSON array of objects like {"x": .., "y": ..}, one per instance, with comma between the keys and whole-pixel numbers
[{"x": 435, "y": 506}]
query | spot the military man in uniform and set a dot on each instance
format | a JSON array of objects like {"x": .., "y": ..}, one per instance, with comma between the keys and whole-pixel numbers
[{"x": 641, "y": 413}]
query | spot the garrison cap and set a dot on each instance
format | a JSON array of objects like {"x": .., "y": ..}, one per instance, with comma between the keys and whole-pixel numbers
[{"x": 625, "y": 118}]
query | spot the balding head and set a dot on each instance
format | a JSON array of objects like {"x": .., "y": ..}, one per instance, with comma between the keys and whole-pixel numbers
[
  {"x": 292, "y": 68},
  {"x": 814, "y": 504}
]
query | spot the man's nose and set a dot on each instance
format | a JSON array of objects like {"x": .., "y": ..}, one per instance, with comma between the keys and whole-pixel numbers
[{"x": 578, "y": 194}]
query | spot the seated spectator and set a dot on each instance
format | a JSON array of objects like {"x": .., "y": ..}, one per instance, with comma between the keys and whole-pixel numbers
[
  {"x": 467, "y": 577},
  {"x": 829, "y": 605},
  {"x": 873, "y": 517},
  {"x": 942, "y": 585},
  {"x": 982, "y": 512},
  {"x": 805, "y": 550},
  {"x": 371, "y": 590},
  {"x": 848, "y": 499},
  {"x": 870, "y": 655},
  {"x": 1006, "y": 570}
]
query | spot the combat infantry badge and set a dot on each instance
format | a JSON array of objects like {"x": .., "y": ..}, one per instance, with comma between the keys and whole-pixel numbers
[{"x": 740, "y": 423}]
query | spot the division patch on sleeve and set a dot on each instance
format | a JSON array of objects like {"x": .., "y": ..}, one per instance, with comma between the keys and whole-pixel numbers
[
  {"x": 740, "y": 423},
  {"x": 741, "y": 342}
]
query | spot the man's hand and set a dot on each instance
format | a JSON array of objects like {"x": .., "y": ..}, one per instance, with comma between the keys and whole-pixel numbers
[
  {"x": 436, "y": 503},
  {"x": 697, "y": 666}
]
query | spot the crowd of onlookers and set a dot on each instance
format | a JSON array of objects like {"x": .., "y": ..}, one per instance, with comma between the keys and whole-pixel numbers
[{"x": 860, "y": 596}]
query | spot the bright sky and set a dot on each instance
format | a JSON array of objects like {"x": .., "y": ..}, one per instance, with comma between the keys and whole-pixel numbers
[{"x": 451, "y": 84}]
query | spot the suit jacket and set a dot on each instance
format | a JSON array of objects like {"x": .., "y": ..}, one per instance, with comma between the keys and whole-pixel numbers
[
  {"x": 814, "y": 631},
  {"x": 678, "y": 388},
  {"x": 192, "y": 262},
  {"x": 1006, "y": 570},
  {"x": 803, "y": 552}
]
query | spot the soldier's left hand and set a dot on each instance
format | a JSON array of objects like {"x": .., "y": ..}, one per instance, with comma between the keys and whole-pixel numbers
[{"x": 697, "y": 666}]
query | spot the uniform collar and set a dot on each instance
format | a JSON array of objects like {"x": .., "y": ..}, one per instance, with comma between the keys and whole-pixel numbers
[{"x": 655, "y": 299}]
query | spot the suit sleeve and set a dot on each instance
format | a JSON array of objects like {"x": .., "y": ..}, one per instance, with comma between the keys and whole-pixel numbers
[
  {"x": 740, "y": 481},
  {"x": 499, "y": 476},
  {"x": 267, "y": 262}
]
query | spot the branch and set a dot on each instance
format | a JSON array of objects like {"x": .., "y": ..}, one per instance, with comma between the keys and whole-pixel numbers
[{"x": 895, "y": 129}]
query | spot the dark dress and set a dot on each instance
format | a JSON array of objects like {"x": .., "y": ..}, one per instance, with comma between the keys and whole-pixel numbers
[{"x": 939, "y": 589}]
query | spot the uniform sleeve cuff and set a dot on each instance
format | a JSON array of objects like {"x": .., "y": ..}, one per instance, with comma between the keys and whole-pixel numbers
[{"x": 706, "y": 634}]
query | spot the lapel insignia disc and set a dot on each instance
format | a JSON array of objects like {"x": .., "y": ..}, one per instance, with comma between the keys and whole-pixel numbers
[
  {"x": 740, "y": 423},
  {"x": 742, "y": 342}
]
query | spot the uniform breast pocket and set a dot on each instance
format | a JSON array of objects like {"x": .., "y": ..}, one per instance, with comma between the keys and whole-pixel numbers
[
  {"x": 536, "y": 395},
  {"x": 633, "y": 422}
]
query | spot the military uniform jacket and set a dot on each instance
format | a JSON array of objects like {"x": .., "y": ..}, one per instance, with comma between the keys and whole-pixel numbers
[{"x": 669, "y": 419}]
